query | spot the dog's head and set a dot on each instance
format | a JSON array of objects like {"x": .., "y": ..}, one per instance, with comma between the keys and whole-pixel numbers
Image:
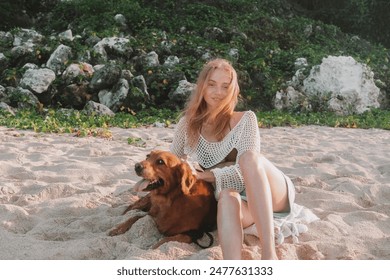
[{"x": 164, "y": 171}]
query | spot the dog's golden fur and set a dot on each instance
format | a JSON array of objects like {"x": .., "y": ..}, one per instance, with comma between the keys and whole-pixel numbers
[{"x": 182, "y": 206}]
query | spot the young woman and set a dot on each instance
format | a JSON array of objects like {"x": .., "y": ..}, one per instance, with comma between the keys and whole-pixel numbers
[{"x": 226, "y": 144}]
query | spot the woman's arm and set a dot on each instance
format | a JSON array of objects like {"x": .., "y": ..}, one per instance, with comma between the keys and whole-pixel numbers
[
  {"x": 249, "y": 140},
  {"x": 177, "y": 146},
  {"x": 209, "y": 176}
]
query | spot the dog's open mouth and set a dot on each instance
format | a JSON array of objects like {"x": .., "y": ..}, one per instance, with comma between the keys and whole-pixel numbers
[{"x": 148, "y": 185}]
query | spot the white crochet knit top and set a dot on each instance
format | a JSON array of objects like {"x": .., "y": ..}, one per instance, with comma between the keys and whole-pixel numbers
[{"x": 245, "y": 136}]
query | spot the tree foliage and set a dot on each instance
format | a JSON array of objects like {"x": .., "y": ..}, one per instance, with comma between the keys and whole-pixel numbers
[
  {"x": 268, "y": 35},
  {"x": 368, "y": 18}
]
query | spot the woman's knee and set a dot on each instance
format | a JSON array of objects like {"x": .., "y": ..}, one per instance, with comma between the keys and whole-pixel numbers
[
  {"x": 229, "y": 200},
  {"x": 251, "y": 159}
]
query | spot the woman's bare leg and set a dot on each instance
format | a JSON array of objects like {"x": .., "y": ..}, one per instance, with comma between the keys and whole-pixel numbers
[
  {"x": 266, "y": 193},
  {"x": 230, "y": 232}
]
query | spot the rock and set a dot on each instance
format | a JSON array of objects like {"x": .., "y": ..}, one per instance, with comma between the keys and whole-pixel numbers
[
  {"x": 182, "y": 92},
  {"x": 94, "y": 108},
  {"x": 21, "y": 55},
  {"x": 214, "y": 33},
  {"x": 22, "y": 98},
  {"x": 139, "y": 82},
  {"x": 348, "y": 86},
  {"x": 66, "y": 35},
  {"x": 300, "y": 66},
  {"x": 290, "y": 99},
  {"x": 144, "y": 61},
  {"x": 3, "y": 62},
  {"x": 105, "y": 77},
  {"x": 151, "y": 59},
  {"x": 3, "y": 94},
  {"x": 234, "y": 54},
  {"x": 30, "y": 66},
  {"x": 121, "y": 21},
  {"x": 300, "y": 63},
  {"x": 171, "y": 61},
  {"x": 115, "y": 97},
  {"x": 5, "y": 107},
  {"x": 92, "y": 40},
  {"x": 75, "y": 96},
  {"x": 38, "y": 80},
  {"x": 59, "y": 58},
  {"x": 308, "y": 31},
  {"x": 27, "y": 36},
  {"x": 207, "y": 56},
  {"x": 113, "y": 46},
  {"x": 138, "y": 94},
  {"x": 166, "y": 47},
  {"x": 339, "y": 84},
  {"x": 126, "y": 74},
  {"x": 77, "y": 71},
  {"x": 6, "y": 39}
]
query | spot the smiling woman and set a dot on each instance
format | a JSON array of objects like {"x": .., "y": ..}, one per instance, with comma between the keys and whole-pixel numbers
[
  {"x": 213, "y": 100},
  {"x": 248, "y": 187},
  {"x": 217, "y": 88}
]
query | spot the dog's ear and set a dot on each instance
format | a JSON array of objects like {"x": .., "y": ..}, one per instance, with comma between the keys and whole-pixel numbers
[{"x": 187, "y": 178}]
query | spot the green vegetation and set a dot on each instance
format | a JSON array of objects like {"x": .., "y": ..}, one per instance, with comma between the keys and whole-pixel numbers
[
  {"x": 373, "y": 119},
  {"x": 268, "y": 34},
  {"x": 82, "y": 125}
]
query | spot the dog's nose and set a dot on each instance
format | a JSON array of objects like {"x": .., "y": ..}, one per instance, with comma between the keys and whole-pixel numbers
[{"x": 138, "y": 168}]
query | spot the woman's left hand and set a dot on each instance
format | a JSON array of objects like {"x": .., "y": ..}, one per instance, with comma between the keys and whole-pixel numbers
[{"x": 207, "y": 176}]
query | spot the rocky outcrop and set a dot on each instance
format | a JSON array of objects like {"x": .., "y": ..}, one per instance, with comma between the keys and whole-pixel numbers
[
  {"x": 338, "y": 84},
  {"x": 72, "y": 78},
  {"x": 118, "y": 73}
]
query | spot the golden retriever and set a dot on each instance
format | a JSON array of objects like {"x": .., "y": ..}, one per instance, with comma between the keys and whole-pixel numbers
[{"x": 183, "y": 207}]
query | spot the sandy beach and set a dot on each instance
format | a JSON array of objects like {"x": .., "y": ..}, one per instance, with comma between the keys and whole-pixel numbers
[{"x": 61, "y": 194}]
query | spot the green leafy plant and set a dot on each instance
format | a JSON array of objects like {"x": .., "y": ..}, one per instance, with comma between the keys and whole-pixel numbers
[{"x": 135, "y": 141}]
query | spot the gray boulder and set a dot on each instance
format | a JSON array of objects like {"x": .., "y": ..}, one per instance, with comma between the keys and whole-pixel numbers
[
  {"x": 182, "y": 92},
  {"x": 105, "y": 77},
  {"x": 113, "y": 46},
  {"x": 3, "y": 62},
  {"x": 38, "y": 80},
  {"x": 77, "y": 71},
  {"x": 22, "y": 98},
  {"x": 59, "y": 58},
  {"x": 140, "y": 83},
  {"x": 6, "y": 39},
  {"x": 5, "y": 107},
  {"x": 338, "y": 84},
  {"x": 94, "y": 108},
  {"x": 27, "y": 36},
  {"x": 348, "y": 86},
  {"x": 115, "y": 97}
]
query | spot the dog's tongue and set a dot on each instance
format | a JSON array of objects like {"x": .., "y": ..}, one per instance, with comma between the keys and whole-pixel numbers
[{"x": 140, "y": 185}]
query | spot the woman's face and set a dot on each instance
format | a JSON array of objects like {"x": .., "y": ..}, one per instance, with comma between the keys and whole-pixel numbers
[{"x": 217, "y": 88}]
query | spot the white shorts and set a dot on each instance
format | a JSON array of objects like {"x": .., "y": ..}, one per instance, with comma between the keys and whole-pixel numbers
[{"x": 291, "y": 196}]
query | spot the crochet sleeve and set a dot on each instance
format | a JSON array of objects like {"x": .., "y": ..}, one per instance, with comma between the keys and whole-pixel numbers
[
  {"x": 248, "y": 140},
  {"x": 177, "y": 146}
]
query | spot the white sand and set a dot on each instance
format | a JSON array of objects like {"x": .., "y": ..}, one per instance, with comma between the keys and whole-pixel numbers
[{"x": 60, "y": 195}]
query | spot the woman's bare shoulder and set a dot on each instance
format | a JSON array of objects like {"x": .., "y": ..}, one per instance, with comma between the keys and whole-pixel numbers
[{"x": 236, "y": 118}]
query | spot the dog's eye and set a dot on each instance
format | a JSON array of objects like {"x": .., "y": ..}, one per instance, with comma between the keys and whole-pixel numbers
[{"x": 160, "y": 161}]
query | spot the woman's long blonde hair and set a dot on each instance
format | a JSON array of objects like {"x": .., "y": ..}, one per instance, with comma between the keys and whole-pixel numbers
[{"x": 196, "y": 109}]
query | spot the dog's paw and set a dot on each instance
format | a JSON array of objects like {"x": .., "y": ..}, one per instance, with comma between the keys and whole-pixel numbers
[{"x": 116, "y": 231}]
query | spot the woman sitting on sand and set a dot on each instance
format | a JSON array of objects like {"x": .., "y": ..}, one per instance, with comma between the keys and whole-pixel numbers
[{"x": 226, "y": 144}]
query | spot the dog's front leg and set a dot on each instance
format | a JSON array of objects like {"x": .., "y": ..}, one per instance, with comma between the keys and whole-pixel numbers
[
  {"x": 123, "y": 227},
  {"x": 182, "y": 237},
  {"x": 142, "y": 204}
]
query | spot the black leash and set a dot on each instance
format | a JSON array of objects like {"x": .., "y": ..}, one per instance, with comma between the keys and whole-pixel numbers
[{"x": 210, "y": 242}]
